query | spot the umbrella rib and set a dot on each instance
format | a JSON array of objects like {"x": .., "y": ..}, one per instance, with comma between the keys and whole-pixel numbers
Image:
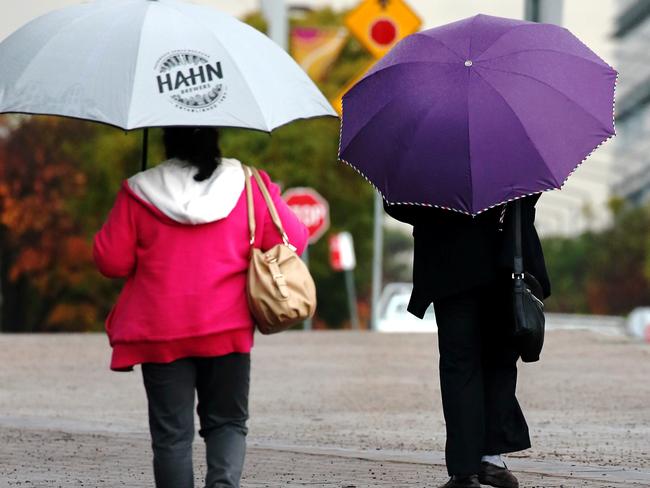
[
  {"x": 552, "y": 88},
  {"x": 419, "y": 34},
  {"x": 371, "y": 73},
  {"x": 358, "y": 133},
  {"x": 521, "y": 125},
  {"x": 383, "y": 70},
  {"x": 550, "y": 51},
  {"x": 54, "y": 36},
  {"x": 471, "y": 36},
  {"x": 515, "y": 27},
  {"x": 135, "y": 69},
  {"x": 38, "y": 53},
  {"x": 469, "y": 140},
  {"x": 355, "y": 136}
]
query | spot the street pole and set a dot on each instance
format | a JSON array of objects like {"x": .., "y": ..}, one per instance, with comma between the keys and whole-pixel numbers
[
  {"x": 548, "y": 11},
  {"x": 275, "y": 13},
  {"x": 307, "y": 324},
  {"x": 377, "y": 259},
  {"x": 352, "y": 299}
]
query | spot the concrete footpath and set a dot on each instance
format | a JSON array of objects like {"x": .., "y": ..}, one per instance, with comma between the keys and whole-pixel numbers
[{"x": 328, "y": 409}]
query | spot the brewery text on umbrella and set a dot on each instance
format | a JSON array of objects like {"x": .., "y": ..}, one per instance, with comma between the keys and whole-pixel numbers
[
  {"x": 477, "y": 113},
  {"x": 153, "y": 63}
]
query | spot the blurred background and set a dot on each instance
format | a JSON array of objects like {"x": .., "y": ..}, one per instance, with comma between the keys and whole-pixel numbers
[{"x": 58, "y": 179}]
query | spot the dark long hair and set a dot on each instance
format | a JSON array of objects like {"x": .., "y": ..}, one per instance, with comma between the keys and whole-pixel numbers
[{"x": 199, "y": 146}]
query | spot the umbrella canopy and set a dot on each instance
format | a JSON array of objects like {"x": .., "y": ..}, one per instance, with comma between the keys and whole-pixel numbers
[
  {"x": 478, "y": 112},
  {"x": 150, "y": 63}
]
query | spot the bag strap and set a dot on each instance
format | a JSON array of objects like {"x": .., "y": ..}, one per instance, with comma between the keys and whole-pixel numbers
[
  {"x": 269, "y": 203},
  {"x": 518, "y": 267},
  {"x": 250, "y": 205}
]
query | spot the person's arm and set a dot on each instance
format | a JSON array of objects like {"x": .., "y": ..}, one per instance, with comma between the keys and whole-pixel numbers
[
  {"x": 114, "y": 247},
  {"x": 295, "y": 230}
]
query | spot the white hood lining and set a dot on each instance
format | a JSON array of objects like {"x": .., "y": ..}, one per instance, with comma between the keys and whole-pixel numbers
[{"x": 172, "y": 189}]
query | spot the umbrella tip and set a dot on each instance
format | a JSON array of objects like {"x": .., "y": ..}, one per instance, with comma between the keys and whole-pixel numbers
[{"x": 469, "y": 63}]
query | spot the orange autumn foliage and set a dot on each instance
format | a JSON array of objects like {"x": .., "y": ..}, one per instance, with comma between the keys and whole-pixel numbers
[{"x": 45, "y": 256}]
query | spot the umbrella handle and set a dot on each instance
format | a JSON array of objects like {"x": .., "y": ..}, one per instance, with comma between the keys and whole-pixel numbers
[{"x": 145, "y": 147}]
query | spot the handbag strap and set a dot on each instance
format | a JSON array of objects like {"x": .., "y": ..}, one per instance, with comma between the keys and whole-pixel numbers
[
  {"x": 250, "y": 205},
  {"x": 518, "y": 267},
  {"x": 269, "y": 204}
]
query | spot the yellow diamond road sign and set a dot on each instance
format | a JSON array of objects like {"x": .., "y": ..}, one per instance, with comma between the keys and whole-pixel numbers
[{"x": 380, "y": 24}]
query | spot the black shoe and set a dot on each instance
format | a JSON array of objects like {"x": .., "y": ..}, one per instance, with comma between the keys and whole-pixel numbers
[
  {"x": 497, "y": 476},
  {"x": 462, "y": 482}
]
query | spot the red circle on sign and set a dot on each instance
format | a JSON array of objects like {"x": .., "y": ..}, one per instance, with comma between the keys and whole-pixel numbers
[
  {"x": 311, "y": 209},
  {"x": 383, "y": 32}
]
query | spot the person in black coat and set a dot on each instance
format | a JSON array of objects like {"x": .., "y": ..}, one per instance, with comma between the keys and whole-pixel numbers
[{"x": 464, "y": 265}]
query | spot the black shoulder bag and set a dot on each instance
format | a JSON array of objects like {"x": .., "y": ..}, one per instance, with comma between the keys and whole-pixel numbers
[{"x": 528, "y": 308}]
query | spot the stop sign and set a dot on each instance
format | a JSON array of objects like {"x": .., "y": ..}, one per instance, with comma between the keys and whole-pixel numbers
[{"x": 311, "y": 209}]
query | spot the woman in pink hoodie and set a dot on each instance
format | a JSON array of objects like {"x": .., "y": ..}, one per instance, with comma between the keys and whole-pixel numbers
[{"x": 178, "y": 235}]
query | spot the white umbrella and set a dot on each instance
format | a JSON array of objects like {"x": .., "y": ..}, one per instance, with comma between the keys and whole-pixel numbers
[{"x": 152, "y": 63}]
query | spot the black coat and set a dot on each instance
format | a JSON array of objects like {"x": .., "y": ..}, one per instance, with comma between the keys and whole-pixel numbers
[{"x": 455, "y": 252}]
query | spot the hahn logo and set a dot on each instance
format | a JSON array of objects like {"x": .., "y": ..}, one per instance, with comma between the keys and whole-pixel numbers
[{"x": 191, "y": 80}]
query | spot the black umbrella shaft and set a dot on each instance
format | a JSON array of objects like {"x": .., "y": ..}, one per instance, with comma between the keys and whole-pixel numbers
[{"x": 145, "y": 148}]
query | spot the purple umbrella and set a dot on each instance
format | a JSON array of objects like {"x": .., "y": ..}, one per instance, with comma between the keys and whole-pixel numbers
[{"x": 478, "y": 112}]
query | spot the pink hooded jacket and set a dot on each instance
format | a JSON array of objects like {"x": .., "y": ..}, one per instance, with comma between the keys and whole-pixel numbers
[{"x": 183, "y": 248}]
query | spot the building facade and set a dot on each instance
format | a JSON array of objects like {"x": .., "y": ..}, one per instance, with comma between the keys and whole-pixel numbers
[{"x": 632, "y": 147}]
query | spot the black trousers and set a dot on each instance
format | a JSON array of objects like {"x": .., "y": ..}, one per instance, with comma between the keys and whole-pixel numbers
[
  {"x": 222, "y": 385},
  {"x": 478, "y": 377}
]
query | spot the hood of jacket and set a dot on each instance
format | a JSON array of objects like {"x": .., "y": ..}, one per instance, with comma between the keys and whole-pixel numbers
[{"x": 172, "y": 189}]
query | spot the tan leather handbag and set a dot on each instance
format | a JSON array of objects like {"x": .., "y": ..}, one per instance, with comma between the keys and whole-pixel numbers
[{"x": 281, "y": 292}]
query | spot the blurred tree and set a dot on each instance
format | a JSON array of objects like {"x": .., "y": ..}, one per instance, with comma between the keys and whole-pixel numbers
[
  {"x": 616, "y": 279},
  {"x": 568, "y": 266},
  {"x": 58, "y": 178},
  {"x": 602, "y": 273},
  {"x": 46, "y": 259}
]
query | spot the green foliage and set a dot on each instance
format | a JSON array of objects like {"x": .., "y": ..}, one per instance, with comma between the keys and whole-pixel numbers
[
  {"x": 606, "y": 272},
  {"x": 567, "y": 264}
]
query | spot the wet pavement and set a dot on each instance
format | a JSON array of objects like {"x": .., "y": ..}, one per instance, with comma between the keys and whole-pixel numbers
[{"x": 328, "y": 409}]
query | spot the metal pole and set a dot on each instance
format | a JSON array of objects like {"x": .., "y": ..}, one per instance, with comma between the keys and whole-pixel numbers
[
  {"x": 377, "y": 259},
  {"x": 352, "y": 299},
  {"x": 548, "y": 11},
  {"x": 551, "y": 11},
  {"x": 145, "y": 147},
  {"x": 532, "y": 10},
  {"x": 307, "y": 324},
  {"x": 275, "y": 12}
]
